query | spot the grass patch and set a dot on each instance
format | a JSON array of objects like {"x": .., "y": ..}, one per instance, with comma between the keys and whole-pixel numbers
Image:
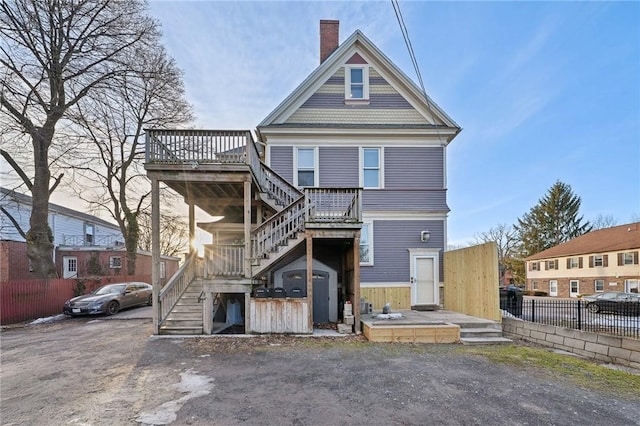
[{"x": 584, "y": 373}]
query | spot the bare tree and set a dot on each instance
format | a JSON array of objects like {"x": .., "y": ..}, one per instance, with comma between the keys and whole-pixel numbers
[
  {"x": 150, "y": 95},
  {"x": 174, "y": 233},
  {"x": 506, "y": 239},
  {"x": 601, "y": 222},
  {"x": 53, "y": 54}
]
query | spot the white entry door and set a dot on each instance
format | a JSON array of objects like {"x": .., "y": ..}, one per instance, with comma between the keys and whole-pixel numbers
[
  {"x": 69, "y": 267},
  {"x": 553, "y": 288},
  {"x": 574, "y": 288},
  {"x": 424, "y": 279}
]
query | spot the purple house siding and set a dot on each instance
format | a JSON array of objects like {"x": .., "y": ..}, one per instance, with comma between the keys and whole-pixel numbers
[
  {"x": 391, "y": 239},
  {"x": 408, "y": 200},
  {"x": 413, "y": 167},
  {"x": 282, "y": 161},
  {"x": 338, "y": 166}
]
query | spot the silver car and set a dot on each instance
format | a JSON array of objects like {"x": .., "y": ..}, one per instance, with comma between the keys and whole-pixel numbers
[{"x": 109, "y": 299}]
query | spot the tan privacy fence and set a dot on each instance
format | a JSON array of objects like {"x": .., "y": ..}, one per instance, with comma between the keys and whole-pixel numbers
[{"x": 471, "y": 281}]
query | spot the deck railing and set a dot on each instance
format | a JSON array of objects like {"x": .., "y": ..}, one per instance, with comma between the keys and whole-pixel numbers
[
  {"x": 278, "y": 188},
  {"x": 197, "y": 146},
  {"x": 224, "y": 260},
  {"x": 97, "y": 240},
  {"x": 340, "y": 205},
  {"x": 171, "y": 292},
  {"x": 276, "y": 231}
]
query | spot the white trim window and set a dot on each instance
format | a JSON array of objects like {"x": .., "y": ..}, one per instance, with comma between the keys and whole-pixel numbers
[
  {"x": 89, "y": 234},
  {"x": 371, "y": 168},
  {"x": 598, "y": 260},
  {"x": 598, "y": 286},
  {"x": 115, "y": 262},
  {"x": 366, "y": 244},
  {"x": 356, "y": 83},
  {"x": 627, "y": 258},
  {"x": 306, "y": 167},
  {"x": 163, "y": 270}
]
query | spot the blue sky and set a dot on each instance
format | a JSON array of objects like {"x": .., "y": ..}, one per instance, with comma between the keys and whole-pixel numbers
[{"x": 544, "y": 91}]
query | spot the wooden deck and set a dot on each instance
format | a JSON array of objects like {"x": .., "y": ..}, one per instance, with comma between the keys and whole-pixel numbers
[{"x": 420, "y": 327}]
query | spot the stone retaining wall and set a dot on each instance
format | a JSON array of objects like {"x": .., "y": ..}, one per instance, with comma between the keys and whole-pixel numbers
[{"x": 618, "y": 350}]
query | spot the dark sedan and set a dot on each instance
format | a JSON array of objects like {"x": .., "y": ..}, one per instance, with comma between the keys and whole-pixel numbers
[
  {"x": 109, "y": 299},
  {"x": 616, "y": 302}
]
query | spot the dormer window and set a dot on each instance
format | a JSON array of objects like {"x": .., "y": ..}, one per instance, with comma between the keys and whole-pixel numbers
[{"x": 356, "y": 83}]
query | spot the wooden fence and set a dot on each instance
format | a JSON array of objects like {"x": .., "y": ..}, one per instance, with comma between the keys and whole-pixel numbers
[
  {"x": 26, "y": 300},
  {"x": 471, "y": 281}
]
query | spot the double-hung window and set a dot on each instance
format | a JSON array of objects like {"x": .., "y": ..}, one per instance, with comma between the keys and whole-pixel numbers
[
  {"x": 366, "y": 244},
  {"x": 599, "y": 285},
  {"x": 115, "y": 262},
  {"x": 306, "y": 167},
  {"x": 371, "y": 176},
  {"x": 89, "y": 233},
  {"x": 356, "y": 86}
]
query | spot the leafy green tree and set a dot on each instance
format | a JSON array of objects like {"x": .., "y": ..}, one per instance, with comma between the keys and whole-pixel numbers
[{"x": 554, "y": 220}]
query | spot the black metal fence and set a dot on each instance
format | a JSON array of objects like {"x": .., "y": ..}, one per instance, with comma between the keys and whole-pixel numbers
[{"x": 622, "y": 320}]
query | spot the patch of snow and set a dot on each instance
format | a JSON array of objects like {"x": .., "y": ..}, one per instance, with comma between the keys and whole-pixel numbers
[
  {"x": 507, "y": 314},
  {"x": 191, "y": 384},
  {"x": 48, "y": 320},
  {"x": 389, "y": 316}
]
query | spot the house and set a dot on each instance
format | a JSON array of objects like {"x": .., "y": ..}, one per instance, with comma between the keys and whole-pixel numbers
[
  {"x": 84, "y": 245},
  {"x": 340, "y": 196},
  {"x": 598, "y": 261}
]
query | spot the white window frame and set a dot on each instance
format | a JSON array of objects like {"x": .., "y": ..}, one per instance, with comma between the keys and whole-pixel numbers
[
  {"x": 573, "y": 265},
  {"x": 598, "y": 258},
  {"x": 380, "y": 167},
  {"x": 89, "y": 229},
  {"x": 595, "y": 286},
  {"x": 627, "y": 258},
  {"x": 534, "y": 285},
  {"x": 571, "y": 292},
  {"x": 296, "y": 169},
  {"x": 113, "y": 264},
  {"x": 369, "y": 228},
  {"x": 163, "y": 270},
  {"x": 347, "y": 83}
]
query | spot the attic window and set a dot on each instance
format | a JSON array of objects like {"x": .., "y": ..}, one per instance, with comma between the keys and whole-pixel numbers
[{"x": 356, "y": 86}]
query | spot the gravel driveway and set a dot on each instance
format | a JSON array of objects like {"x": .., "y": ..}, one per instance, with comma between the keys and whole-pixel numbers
[{"x": 98, "y": 371}]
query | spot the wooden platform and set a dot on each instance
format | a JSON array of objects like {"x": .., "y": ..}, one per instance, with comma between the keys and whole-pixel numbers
[{"x": 420, "y": 327}]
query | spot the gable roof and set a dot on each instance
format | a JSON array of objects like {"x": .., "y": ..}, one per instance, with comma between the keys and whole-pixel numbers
[
  {"x": 617, "y": 238},
  {"x": 8, "y": 194},
  {"x": 357, "y": 43}
]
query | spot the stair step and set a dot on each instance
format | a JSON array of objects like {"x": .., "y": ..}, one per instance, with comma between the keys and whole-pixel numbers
[
  {"x": 480, "y": 332},
  {"x": 175, "y": 322},
  {"x": 485, "y": 341},
  {"x": 187, "y": 331},
  {"x": 480, "y": 325}
]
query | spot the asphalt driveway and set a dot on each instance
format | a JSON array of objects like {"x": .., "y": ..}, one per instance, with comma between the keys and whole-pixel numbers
[{"x": 106, "y": 371}]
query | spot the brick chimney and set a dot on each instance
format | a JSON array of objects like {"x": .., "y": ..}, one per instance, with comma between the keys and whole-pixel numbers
[{"x": 329, "y": 34}]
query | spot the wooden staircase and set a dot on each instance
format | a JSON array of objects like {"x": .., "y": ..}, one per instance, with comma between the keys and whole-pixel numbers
[{"x": 186, "y": 315}]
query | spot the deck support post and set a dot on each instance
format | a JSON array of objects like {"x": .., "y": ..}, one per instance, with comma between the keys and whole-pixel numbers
[
  {"x": 155, "y": 252},
  {"x": 356, "y": 281},
  {"x": 192, "y": 227},
  {"x": 309, "y": 240},
  {"x": 207, "y": 313},
  {"x": 247, "y": 229}
]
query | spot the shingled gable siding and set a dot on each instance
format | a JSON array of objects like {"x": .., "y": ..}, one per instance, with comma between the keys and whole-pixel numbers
[
  {"x": 281, "y": 159},
  {"x": 391, "y": 238},
  {"x": 338, "y": 166}
]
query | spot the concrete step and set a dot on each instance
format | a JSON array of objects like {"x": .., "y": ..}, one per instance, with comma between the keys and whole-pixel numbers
[
  {"x": 485, "y": 341},
  {"x": 484, "y": 324},
  {"x": 480, "y": 332}
]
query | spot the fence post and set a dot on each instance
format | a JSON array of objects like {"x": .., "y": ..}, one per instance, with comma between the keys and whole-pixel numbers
[
  {"x": 533, "y": 310},
  {"x": 579, "y": 314}
]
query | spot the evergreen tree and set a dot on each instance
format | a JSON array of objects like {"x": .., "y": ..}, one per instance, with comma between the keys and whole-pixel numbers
[{"x": 554, "y": 220}]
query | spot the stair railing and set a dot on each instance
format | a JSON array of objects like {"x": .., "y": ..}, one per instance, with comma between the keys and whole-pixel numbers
[
  {"x": 172, "y": 290},
  {"x": 280, "y": 227}
]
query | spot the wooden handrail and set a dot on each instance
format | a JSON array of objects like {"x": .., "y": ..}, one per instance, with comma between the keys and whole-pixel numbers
[
  {"x": 277, "y": 230},
  {"x": 172, "y": 290}
]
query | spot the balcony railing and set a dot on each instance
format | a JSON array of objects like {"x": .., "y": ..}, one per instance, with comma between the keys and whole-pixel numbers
[
  {"x": 198, "y": 146},
  {"x": 337, "y": 205},
  {"x": 93, "y": 240},
  {"x": 224, "y": 260}
]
